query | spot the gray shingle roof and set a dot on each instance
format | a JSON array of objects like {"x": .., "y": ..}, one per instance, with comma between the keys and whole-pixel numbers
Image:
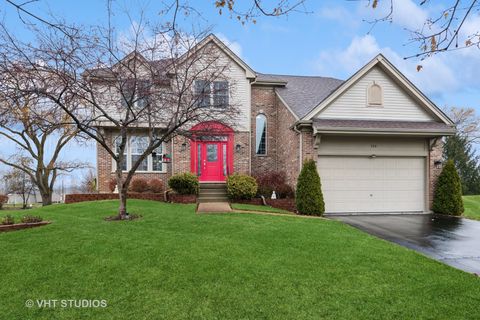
[
  {"x": 302, "y": 93},
  {"x": 421, "y": 126}
]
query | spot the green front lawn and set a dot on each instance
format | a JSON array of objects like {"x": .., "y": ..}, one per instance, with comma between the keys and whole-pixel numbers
[
  {"x": 472, "y": 207},
  {"x": 175, "y": 264}
]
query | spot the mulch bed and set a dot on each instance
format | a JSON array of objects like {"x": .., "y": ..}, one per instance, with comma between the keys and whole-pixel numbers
[
  {"x": 20, "y": 226},
  {"x": 81, "y": 197},
  {"x": 181, "y": 198}
]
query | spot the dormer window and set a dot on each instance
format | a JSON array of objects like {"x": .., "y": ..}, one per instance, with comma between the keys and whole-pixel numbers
[{"x": 375, "y": 95}]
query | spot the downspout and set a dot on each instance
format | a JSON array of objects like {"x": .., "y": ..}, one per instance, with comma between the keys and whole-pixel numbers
[{"x": 300, "y": 149}]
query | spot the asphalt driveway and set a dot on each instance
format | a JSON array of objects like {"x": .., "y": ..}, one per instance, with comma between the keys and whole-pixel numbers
[{"x": 451, "y": 240}]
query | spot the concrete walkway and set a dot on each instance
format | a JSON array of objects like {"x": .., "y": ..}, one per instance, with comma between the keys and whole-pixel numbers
[{"x": 213, "y": 207}]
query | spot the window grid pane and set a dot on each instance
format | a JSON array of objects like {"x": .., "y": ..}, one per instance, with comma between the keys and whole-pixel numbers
[
  {"x": 220, "y": 94},
  {"x": 157, "y": 164},
  {"x": 138, "y": 147},
  {"x": 261, "y": 132},
  {"x": 202, "y": 92},
  {"x": 117, "y": 142}
]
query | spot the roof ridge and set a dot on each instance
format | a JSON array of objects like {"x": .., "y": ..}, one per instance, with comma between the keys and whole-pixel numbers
[{"x": 299, "y": 76}]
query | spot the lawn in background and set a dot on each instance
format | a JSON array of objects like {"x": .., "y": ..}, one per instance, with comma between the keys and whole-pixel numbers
[{"x": 472, "y": 207}]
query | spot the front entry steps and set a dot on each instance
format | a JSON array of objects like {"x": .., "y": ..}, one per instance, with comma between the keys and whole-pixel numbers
[{"x": 212, "y": 192}]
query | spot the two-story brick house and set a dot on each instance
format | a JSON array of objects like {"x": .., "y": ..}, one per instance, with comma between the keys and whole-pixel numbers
[{"x": 375, "y": 137}]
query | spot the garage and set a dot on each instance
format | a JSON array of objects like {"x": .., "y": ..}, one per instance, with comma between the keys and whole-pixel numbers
[{"x": 372, "y": 175}]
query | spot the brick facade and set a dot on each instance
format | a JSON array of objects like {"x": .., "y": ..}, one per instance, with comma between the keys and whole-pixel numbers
[
  {"x": 286, "y": 148},
  {"x": 263, "y": 102},
  {"x": 179, "y": 148}
]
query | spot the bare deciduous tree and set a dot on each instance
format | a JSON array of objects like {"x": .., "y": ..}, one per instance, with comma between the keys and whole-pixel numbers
[
  {"x": 92, "y": 78},
  {"x": 18, "y": 182},
  {"x": 37, "y": 130},
  {"x": 443, "y": 31},
  {"x": 467, "y": 123}
]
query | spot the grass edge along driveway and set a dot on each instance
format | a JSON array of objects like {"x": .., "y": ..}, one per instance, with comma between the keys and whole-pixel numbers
[{"x": 175, "y": 264}]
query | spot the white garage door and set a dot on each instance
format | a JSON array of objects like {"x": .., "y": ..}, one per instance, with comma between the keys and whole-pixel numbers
[{"x": 364, "y": 184}]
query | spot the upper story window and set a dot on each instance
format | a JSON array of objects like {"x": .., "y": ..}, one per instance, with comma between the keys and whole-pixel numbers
[
  {"x": 261, "y": 135},
  {"x": 135, "y": 147},
  {"x": 211, "y": 93},
  {"x": 220, "y": 94},
  {"x": 135, "y": 93},
  {"x": 202, "y": 92},
  {"x": 375, "y": 95}
]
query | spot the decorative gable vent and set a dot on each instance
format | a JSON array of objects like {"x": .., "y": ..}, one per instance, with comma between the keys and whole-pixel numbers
[{"x": 375, "y": 95}]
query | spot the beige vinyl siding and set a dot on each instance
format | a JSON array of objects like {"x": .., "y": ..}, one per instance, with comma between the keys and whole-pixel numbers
[
  {"x": 367, "y": 146},
  {"x": 397, "y": 104},
  {"x": 239, "y": 93}
]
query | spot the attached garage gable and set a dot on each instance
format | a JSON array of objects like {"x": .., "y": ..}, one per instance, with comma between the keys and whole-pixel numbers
[{"x": 395, "y": 103}]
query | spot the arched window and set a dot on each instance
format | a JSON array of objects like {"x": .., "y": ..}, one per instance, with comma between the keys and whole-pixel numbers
[
  {"x": 375, "y": 95},
  {"x": 261, "y": 135}
]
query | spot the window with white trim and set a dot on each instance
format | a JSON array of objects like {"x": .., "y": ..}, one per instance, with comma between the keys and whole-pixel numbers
[
  {"x": 157, "y": 159},
  {"x": 136, "y": 146},
  {"x": 210, "y": 94},
  {"x": 202, "y": 92},
  {"x": 375, "y": 95},
  {"x": 117, "y": 141},
  {"x": 220, "y": 94},
  {"x": 261, "y": 134},
  {"x": 135, "y": 92}
]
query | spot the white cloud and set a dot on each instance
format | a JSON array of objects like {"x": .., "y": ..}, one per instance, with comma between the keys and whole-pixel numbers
[
  {"x": 408, "y": 14},
  {"x": 233, "y": 45},
  {"x": 339, "y": 14},
  {"x": 436, "y": 77}
]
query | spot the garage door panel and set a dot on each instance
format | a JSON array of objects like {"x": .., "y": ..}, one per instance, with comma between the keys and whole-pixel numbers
[{"x": 363, "y": 184}]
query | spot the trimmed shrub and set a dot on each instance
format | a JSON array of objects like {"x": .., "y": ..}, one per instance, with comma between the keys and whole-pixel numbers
[
  {"x": 112, "y": 184},
  {"x": 3, "y": 200},
  {"x": 241, "y": 186},
  {"x": 184, "y": 183},
  {"x": 8, "y": 219},
  {"x": 155, "y": 185},
  {"x": 139, "y": 185},
  {"x": 274, "y": 181},
  {"x": 309, "y": 197},
  {"x": 448, "y": 192},
  {"x": 31, "y": 219}
]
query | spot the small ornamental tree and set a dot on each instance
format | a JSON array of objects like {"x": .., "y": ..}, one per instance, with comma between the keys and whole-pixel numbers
[
  {"x": 309, "y": 197},
  {"x": 448, "y": 192}
]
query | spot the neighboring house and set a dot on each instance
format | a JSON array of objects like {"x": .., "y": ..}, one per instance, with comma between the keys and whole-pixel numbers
[{"x": 375, "y": 137}]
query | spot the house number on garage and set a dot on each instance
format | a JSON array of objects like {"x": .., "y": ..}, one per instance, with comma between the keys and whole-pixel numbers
[{"x": 373, "y": 146}]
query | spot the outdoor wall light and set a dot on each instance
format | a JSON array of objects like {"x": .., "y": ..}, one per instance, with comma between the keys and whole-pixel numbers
[
  {"x": 372, "y": 156},
  {"x": 184, "y": 146},
  {"x": 438, "y": 164},
  {"x": 238, "y": 147}
]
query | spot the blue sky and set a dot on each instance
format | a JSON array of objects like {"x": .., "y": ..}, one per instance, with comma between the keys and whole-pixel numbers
[{"x": 332, "y": 40}]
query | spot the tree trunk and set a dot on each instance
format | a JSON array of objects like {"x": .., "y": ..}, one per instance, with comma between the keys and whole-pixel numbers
[
  {"x": 122, "y": 195},
  {"x": 46, "y": 198}
]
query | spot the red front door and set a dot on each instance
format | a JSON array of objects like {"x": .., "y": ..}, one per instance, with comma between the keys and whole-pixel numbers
[{"x": 212, "y": 156}]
